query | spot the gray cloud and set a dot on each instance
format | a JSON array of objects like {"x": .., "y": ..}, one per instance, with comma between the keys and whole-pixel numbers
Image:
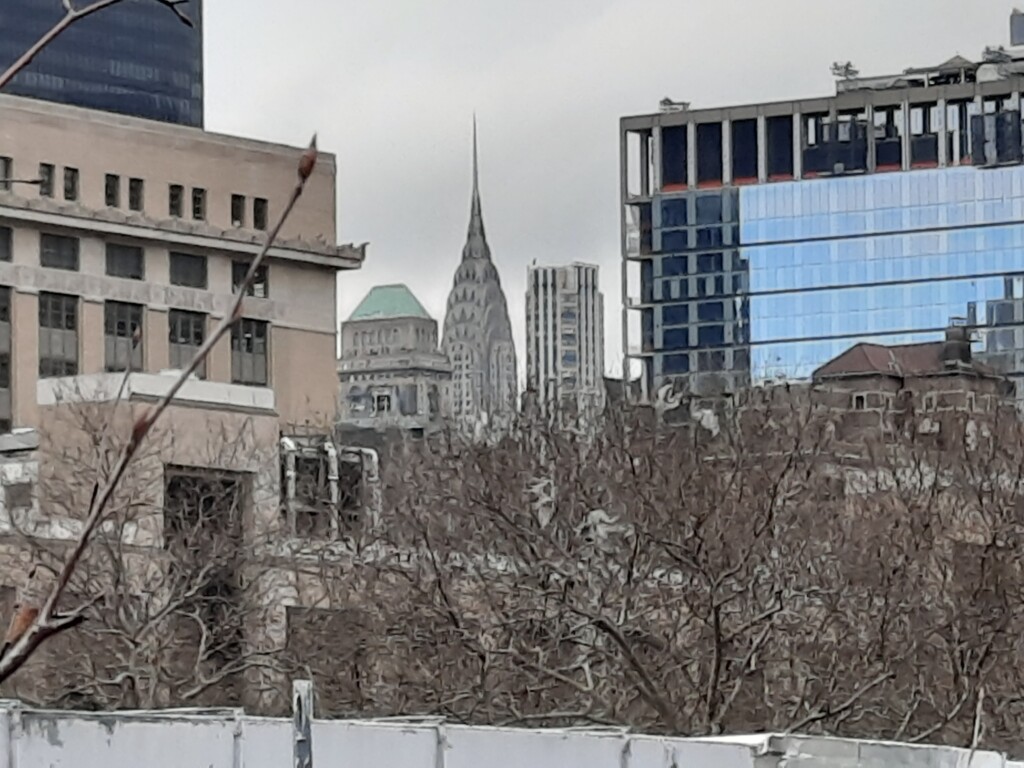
[{"x": 392, "y": 86}]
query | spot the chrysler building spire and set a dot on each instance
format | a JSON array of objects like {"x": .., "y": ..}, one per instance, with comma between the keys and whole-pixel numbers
[{"x": 477, "y": 331}]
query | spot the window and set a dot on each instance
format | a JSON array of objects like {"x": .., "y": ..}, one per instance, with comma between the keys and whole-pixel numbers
[
  {"x": 249, "y": 352},
  {"x": 112, "y": 190},
  {"x": 259, "y": 213},
  {"x": 122, "y": 332},
  {"x": 45, "y": 180},
  {"x": 237, "y": 211},
  {"x": 175, "y": 199},
  {"x": 6, "y": 250},
  {"x": 58, "y": 335},
  {"x": 58, "y": 252},
  {"x": 5, "y": 359},
  {"x": 199, "y": 204},
  {"x": 18, "y": 495},
  {"x": 188, "y": 269},
  {"x": 710, "y": 310},
  {"x": 71, "y": 184},
  {"x": 859, "y": 402},
  {"x": 382, "y": 403},
  {"x": 260, "y": 287},
  {"x": 6, "y": 173},
  {"x": 136, "y": 194},
  {"x": 187, "y": 334},
  {"x": 125, "y": 261}
]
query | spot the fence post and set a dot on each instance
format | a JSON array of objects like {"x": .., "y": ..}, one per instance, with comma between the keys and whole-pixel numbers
[{"x": 302, "y": 724}]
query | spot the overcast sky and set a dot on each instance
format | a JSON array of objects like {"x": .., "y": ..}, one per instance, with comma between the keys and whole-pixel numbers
[{"x": 391, "y": 87}]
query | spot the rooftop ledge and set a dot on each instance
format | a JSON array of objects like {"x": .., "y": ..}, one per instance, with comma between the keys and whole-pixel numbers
[
  {"x": 149, "y": 387},
  {"x": 42, "y": 211}
]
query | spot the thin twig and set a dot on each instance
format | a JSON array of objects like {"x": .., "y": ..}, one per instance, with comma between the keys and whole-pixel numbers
[{"x": 48, "y": 623}]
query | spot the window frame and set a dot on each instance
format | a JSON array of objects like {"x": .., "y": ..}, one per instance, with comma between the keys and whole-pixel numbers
[
  {"x": 179, "y": 278},
  {"x": 50, "y": 257},
  {"x": 112, "y": 190},
  {"x": 116, "y": 250},
  {"x": 260, "y": 213},
  {"x": 136, "y": 194},
  {"x": 72, "y": 185},
  {"x": 46, "y": 175},
  {"x": 240, "y": 357},
  {"x": 198, "y": 204},
  {"x": 179, "y": 321},
  {"x": 133, "y": 316},
  {"x": 65, "y": 307},
  {"x": 239, "y": 269},
  {"x": 176, "y": 201}
]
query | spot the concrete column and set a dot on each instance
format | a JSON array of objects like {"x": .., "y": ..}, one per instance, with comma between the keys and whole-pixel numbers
[
  {"x": 905, "y": 135},
  {"x": 645, "y": 168},
  {"x": 691, "y": 155},
  {"x": 91, "y": 339},
  {"x": 762, "y": 149},
  {"x": 872, "y": 147},
  {"x": 940, "y": 129},
  {"x": 726, "y": 152},
  {"x": 798, "y": 145},
  {"x": 24, "y": 356},
  {"x": 156, "y": 347},
  {"x": 656, "y": 181},
  {"x": 218, "y": 364}
]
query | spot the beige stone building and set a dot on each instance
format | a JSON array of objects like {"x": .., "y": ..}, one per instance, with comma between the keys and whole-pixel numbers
[{"x": 111, "y": 223}]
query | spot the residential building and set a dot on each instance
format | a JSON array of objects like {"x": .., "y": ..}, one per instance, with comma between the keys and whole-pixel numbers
[
  {"x": 135, "y": 58},
  {"x": 392, "y": 372},
  {"x": 477, "y": 335},
  {"x": 762, "y": 240},
  {"x": 565, "y": 337},
  {"x": 146, "y": 227}
]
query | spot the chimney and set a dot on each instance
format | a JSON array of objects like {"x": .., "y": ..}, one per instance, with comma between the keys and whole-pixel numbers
[
  {"x": 1016, "y": 27},
  {"x": 956, "y": 350}
]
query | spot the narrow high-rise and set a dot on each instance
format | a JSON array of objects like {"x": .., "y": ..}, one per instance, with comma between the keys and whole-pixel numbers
[
  {"x": 565, "y": 338},
  {"x": 135, "y": 58},
  {"x": 477, "y": 334}
]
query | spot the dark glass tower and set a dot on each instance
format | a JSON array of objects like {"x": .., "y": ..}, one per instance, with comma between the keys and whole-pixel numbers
[{"x": 134, "y": 58}]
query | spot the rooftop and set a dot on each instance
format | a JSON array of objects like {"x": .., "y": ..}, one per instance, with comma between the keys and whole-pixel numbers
[
  {"x": 927, "y": 359},
  {"x": 389, "y": 301}
]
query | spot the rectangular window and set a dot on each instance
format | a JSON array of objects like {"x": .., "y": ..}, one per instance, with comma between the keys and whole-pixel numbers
[
  {"x": 122, "y": 335},
  {"x": 136, "y": 194},
  {"x": 127, "y": 261},
  {"x": 45, "y": 180},
  {"x": 6, "y": 248},
  {"x": 71, "y": 184},
  {"x": 238, "y": 210},
  {"x": 5, "y": 359},
  {"x": 249, "y": 352},
  {"x": 260, "y": 287},
  {"x": 199, "y": 204},
  {"x": 112, "y": 190},
  {"x": 6, "y": 173},
  {"x": 58, "y": 335},
  {"x": 187, "y": 334},
  {"x": 58, "y": 252},
  {"x": 259, "y": 213},
  {"x": 175, "y": 200},
  {"x": 188, "y": 269}
]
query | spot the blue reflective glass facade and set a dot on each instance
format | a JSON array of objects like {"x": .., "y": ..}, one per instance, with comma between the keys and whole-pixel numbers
[
  {"x": 886, "y": 258},
  {"x": 135, "y": 58}
]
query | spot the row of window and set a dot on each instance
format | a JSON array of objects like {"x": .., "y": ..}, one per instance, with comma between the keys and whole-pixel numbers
[
  {"x": 123, "y": 339},
  {"x": 128, "y": 262},
  {"x": 112, "y": 194}
]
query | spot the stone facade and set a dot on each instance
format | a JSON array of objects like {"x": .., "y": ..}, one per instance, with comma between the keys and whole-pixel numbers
[
  {"x": 392, "y": 373},
  {"x": 477, "y": 331},
  {"x": 135, "y": 224}
]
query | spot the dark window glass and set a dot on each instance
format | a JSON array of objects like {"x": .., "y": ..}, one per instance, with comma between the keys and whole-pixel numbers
[
  {"x": 58, "y": 335},
  {"x": 136, "y": 194},
  {"x": 175, "y": 200},
  {"x": 259, "y": 213},
  {"x": 710, "y": 336},
  {"x": 6, "y": 172},
  {"x": 237, "y": 211},
  {"x": 188, "y": 269},
  {"x": 199, "y": 204},
  {"x": 45, "y": 180},
  {"x": 678, "y": 240},
  {"x": 71, "y": 184},
  {"x": 710, "y": 311},
  {"x": 249, "y": 352},
  {"x": 709, "y": 262},
  {"x": 709, "y": 237},
  {"x": 126, "y": 261},
  {"x": 676, "y": 364},
  {"x": 260, "y": 287},
  {"x": 6, "y": 247},
  {"x": 673, "y": 265},
  {"x": 134, "y": 58},
  {"x": 675, "y": 314},
  {"x": 187, "y": 334},
  {"x": 122, "y": 330},
  {"x": 58, "y": 252},
  {"x": 709, "y": 209},
  {"x": 675, "y": 338},
  {"x": 112, "y": 190},
  {"x": 673, "y": 213}
]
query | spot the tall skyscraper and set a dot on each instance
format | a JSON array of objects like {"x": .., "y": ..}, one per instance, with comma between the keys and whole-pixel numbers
[
  {"x": 762, "y": 240},
  {"x": 477, "y": 333},
  {"x": 565, "y": 337},
  {"x": 135, "y": 58}
]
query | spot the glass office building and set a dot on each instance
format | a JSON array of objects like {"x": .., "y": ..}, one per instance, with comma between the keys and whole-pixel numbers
[{"x": 135, "y": 58}]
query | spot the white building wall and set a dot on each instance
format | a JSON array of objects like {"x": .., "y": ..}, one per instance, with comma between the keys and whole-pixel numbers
[
  {"x": 565, "y": 335},
  {"x": 41, "y": 739}
]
